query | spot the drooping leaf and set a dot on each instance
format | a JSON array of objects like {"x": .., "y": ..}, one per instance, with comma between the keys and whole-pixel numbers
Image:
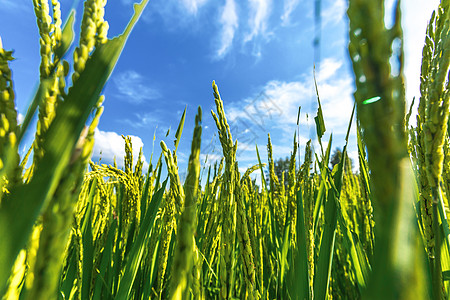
[{"x": 20, "y": 210}]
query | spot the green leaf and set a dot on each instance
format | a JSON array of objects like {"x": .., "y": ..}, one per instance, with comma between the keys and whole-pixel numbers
[
  {"x": 318, "y": 119},
  {"x": 446, "y": 275},
  {"x": 263, "y": 179},
  {"x": 39, "y": 97},
  {"x": 325, "y": 259},
  {"x": 444, "y": 221},
  {"x": 357, "y": 253},
  {"x": 138, "y": 248},
  {"x": 67, "y": 36},
  {"x": 87, "y": 239},
  {"x": 102, "y": 283},
  {"x": 180, "y": 129},
  {"x": 19, "y": 212},
  {"x": 285, "y": 246},
  {"x": 321, "y": 282},
  {"x": 323, "y": 184},
  {"x": 68, "y": 282},
  {"x": 299, "y": 275}
]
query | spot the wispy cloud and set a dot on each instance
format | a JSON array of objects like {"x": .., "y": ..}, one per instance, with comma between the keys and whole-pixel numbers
[
  {"x": 14, "y": 5},
  {"x": 229, "y": 22},
  {"x": 177, "y": 14},
  {"x": 155, "y": 117},
  {"x": 259, "y": 14},
  {"x": 208, "y": 159},
  {"x": 328, "y": 69},
  {"x": 20, "y": 118},
  {"x": 109, "y": 145},
  {"x": 193, "y": 6},
  {"x": 334, "y": 13},
  {"x": 415, "y": 20},
  {"x": 277, "y": 104},
  {"x": 145, "y": 120},
  {"x": 153, "y": 121},
  {"x": 289, "y": 7},
  {"x": 134, "y": 87}
]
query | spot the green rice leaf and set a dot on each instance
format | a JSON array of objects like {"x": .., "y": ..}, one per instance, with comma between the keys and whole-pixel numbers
[
  {"x": 180, "y": 129},
  {"x": 354, "y": 247},
  {"x": 320, "y": 123},
  {"x": 103, "y": 284},
  {"x": 139, "y": 244},
  {"x": 298, "y": 281},
  {"x": 325, "y": 259},
  {"x": 323, "y": 184},
  {"x": 67, "y": 36},
  {"x": 88, "y": 243},
  {"x": 19, "y": 212}
]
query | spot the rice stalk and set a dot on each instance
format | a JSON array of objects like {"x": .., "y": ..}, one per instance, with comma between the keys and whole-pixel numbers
[
  {"x": 380, "y": 100},
  {"x": 17, "y": 277},
  {"x": 51, "y": 69},
  {"x": 186, "y": 247},
  {"x": 245, "y": 240},
  {"x": 276, "y": 189},
  {"x": 56, "y": 219},
  {"x": 175, "y": 195},
  {"x": 94, "y": 31},
  {"x": 434, "y": 113},
  {"x": 11, "y": 174},
  {"x": 227, "y": 201}
]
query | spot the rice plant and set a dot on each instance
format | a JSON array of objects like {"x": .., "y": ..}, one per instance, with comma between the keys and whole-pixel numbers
[{"x": 74, "y": 229}]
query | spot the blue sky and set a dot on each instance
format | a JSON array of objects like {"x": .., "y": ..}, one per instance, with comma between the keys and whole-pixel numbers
[{"x": 259, "y": 52}]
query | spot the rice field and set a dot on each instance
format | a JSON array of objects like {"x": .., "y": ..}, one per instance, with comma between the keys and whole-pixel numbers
[{"x": 74, "y": 229}]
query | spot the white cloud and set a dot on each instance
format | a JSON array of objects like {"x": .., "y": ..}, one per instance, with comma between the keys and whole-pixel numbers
[
  {"x": 276, "y": 108},
  {"x": 245, "y": 147},
  {"x": 229, "y": 23},
  {"x": 134, "y": 87},
  {"x": 415, "y": 17},
  {"x": 193, "y": 6},
  {"x": 259, "y": 13},
  {"x": 289, "y": 6},
  {"x": 147, "y": 119},
  {"x": 283, "y": 150},
  {"x": 20, "y": 118},
  {"x": 337, "y": 104},
  {"x": 334, "y": 13},
  {"x": 186, "y": 15},
  {"x": 355, "y": 160},
  {"x": 109, "y": 145},
  {"x": 327, "y": 69},
  {"x": 210, "y": 158},
  {"x": 14, "y": 5}
]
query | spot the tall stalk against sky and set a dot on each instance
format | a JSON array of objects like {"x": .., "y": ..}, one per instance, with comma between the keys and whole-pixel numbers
[
  {"x": 186, "y": 246},
  {"x": 227, "y": 201},
  {"x": 431, "y": 132},
  {"x": 380, "y": 99}
]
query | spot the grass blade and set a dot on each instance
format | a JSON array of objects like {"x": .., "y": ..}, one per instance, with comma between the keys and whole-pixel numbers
[
  {"x": 137, "y": 250},
  {"x": 298, "y": 280}
]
